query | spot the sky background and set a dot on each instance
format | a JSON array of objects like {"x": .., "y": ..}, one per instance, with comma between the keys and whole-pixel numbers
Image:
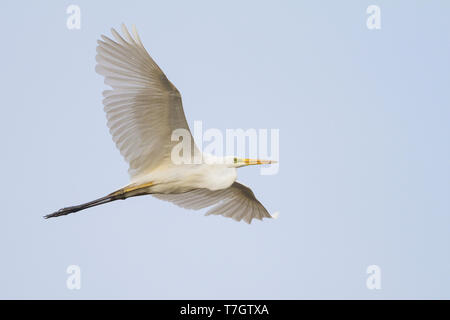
[{"x": 364, "y": 151}]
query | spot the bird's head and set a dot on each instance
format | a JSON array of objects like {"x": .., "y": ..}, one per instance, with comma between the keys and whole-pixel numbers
[{"x": 236, "y": 162}]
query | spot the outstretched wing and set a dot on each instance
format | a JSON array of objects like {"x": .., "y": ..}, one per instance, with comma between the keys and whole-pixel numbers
[
  {"x": 237, "y": 202},
  {"x": 143, "y": 107}
]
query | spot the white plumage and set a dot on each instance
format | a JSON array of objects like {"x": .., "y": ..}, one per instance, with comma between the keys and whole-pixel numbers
[{"x": 143, "y": 109}]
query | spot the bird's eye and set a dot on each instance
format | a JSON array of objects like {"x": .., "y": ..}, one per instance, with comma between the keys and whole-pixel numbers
[{"x": 235, "y": 160}]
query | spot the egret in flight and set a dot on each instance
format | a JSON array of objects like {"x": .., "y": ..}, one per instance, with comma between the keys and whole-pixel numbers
[{"x": 143, "y": 109}]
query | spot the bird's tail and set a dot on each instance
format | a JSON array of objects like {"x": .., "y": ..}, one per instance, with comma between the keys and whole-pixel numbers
[{"x": 118, "y": 195}]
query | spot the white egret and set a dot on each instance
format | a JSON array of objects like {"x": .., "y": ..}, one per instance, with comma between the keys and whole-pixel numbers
[{"x": 143, "y": 109}]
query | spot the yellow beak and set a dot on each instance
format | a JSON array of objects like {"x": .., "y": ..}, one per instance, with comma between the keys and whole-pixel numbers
[{"x": 250, "y": 162}]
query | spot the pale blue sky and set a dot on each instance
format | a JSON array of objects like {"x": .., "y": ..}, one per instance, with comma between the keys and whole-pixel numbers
[{"x": 364, "y": 151}]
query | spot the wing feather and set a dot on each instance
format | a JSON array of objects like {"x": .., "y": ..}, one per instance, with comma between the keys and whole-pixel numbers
[
  {"x": 144, "y": 107},
  {"x": 237, "y": 202}
]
